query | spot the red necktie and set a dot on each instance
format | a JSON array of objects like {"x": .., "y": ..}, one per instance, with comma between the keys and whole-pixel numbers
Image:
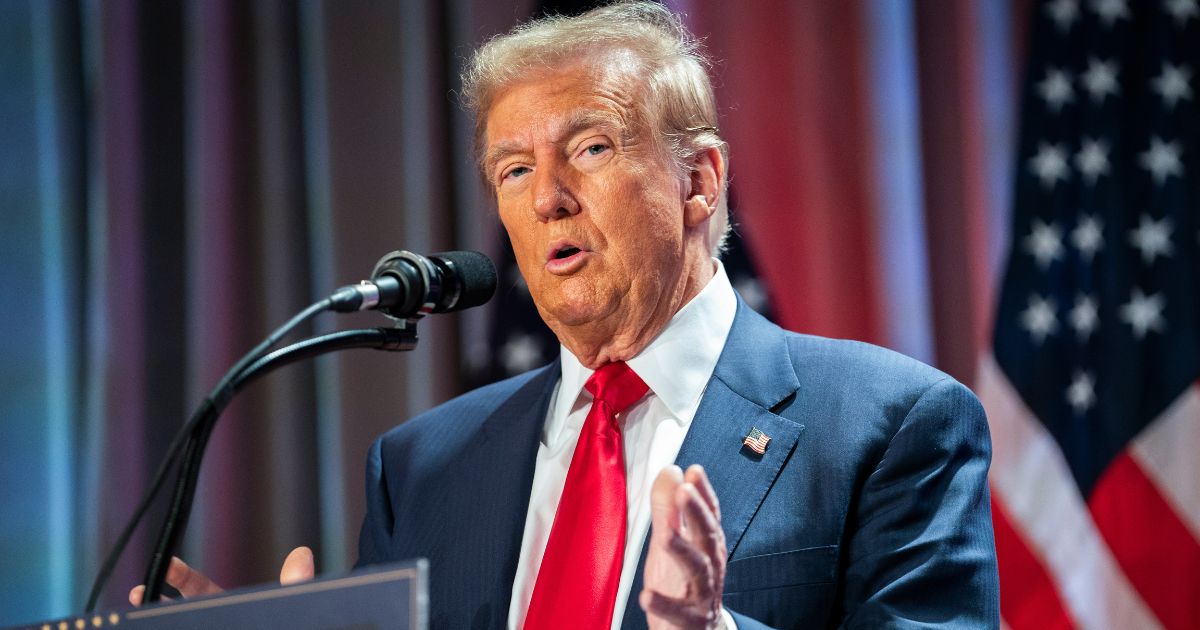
[{"x": 577, "y": 582}]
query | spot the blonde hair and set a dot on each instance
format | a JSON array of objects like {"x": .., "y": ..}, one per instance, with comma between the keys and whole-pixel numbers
[{"x": 679, "y": 106}]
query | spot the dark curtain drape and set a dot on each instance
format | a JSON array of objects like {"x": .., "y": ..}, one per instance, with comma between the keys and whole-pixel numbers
[{"x": 218, "y": 166}]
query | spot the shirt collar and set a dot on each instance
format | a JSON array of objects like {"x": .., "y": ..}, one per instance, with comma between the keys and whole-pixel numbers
[{"x": 676, "y": 365}]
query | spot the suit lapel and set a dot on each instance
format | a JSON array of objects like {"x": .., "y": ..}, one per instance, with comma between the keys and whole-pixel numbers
[
  {"x": 499, "y": 472},
  {"x": 753, "y": 375}
]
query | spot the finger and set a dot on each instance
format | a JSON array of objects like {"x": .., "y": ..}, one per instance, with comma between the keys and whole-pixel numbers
[
  {"x": 696, "y": 565},
  {"x": 703, "y": 528},
  {"x": 663, "y": 490},
  {"x": 677, "y": 612},
  {"x": 188, "y": 581},
  {"x": 705, "y": 533},
  {"x": 298, "y": 566},
  {"x": 137, "y": 593},
  {"x": 696, "y": 476},
  {"x": 664, "y": 517}
]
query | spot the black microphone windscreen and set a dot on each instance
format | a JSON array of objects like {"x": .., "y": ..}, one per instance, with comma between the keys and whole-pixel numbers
[{"x": 477, "y": 274}]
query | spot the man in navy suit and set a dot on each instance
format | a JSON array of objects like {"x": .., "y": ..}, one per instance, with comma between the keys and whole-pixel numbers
[
  {"x": 868, "y": 506},
  {"x": 765, "y": 477}
]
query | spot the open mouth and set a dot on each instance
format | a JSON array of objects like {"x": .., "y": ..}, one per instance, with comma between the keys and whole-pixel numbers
[
  {"x": 565, "y": 257},
  {"x": 566, "y": 252}
]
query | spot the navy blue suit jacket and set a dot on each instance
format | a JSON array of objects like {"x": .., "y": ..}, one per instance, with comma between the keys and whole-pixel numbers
[{"x": 869, "y": 509}]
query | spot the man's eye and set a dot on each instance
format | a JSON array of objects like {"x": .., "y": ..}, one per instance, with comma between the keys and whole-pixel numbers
[
  {"x": 596, "y": 149},
  {"x": 515, "y": 172}
]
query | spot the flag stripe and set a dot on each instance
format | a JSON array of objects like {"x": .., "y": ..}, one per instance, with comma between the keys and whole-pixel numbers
[
  {"x": 1028, "y": 598},
  {"x": 1126, "y": 505},
  {"x": 1166, "y": 452},
  {"x": 1031, "y": 479}
]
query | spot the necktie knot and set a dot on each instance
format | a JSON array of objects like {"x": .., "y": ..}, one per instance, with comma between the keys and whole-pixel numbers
[{"x": 616, "y": 385}]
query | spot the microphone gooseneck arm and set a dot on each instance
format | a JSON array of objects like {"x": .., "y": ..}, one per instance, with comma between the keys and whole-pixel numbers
[
  {"x": 217, "y": 398},
  {"x": 389, "y": 339},
  {"x": 404, "y": 286}
]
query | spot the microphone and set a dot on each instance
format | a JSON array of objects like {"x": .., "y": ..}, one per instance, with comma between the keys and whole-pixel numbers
[{"x": 406, "y": 286}]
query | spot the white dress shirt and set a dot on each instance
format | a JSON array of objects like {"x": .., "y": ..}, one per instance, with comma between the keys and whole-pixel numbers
[{"x": 676, "y": 366}]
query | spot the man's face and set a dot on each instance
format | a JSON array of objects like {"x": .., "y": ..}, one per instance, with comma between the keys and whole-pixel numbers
[{"x": 592, "y": 204}]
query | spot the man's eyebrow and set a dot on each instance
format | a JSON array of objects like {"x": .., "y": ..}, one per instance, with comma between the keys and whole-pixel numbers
[
  {"x": 576, "y": 123},
  {"x": 498, "y": 152},
  {"x": 590, "y": 119}
]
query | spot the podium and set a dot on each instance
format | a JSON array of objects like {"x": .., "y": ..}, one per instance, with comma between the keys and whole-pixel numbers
[{"x": 382, "y": 597}]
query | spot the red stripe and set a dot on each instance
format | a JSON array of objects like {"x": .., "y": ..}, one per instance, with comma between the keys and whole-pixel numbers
[
  {"x": 1156, "y": 551},
  {"x": 1028, "y": 597}
]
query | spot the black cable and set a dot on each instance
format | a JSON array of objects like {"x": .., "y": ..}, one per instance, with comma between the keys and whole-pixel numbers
[
  {"x": 178, "y": 511},
  {"x": 175, "y": 524},
  {"x": 390, "y": 339},
  {"x": 213, "y": 403}
]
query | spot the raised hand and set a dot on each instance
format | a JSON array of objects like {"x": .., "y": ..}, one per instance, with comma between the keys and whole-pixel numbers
[{"x": 685, "y": 562}]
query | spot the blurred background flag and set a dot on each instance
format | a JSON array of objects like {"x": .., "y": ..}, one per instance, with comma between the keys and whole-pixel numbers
[{"x": 1092, "y": 393}]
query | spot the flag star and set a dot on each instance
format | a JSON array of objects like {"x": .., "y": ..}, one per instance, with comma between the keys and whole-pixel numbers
[
  {"x": 1100, "y": 79},
  {"x": 1084, "y": 318},
  {"x": 1110, "y": 11},
  {"x": 1152, "y": 237},
  {"x": 1056, "y": 89},
  {"x": 752, "y": 292},
  {"x": 1063, "y": 12},
  {"x": 1088, "y": 236},
  {"x": 1143, "y": 313},
  {"x": 1081, "y": 394},
  {"x": 1044, "y": 243},
  {"x": 1050, "y": 164},
  {"x": 520, "y": 353},
  {"x": 1182, "y": 10},
  {"x": 1161, "y": 159},
  {"x": 1092, "y": 160},
  {"x": 1039, "y": 318},
  {"x": 1173, "y": 84}
]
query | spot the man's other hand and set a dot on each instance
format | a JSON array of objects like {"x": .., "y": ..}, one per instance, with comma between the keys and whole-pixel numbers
[
  {"x": 685, "y": 564},
  {"x": 297, "y": 567}
]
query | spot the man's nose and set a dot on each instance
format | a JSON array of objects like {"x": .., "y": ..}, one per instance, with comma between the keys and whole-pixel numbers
[{"x": 553, "y": 198}]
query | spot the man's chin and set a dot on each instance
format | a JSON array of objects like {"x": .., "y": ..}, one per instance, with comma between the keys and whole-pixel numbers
[
  {"x": 575, "y": 314},
  {"x": 574, "y": 317}
]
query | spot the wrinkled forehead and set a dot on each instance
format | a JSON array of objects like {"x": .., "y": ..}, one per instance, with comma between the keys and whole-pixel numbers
[
  {"x": 607, "y": 69},
  {"x": 559, "y": 103},
  {"x": 603, "y": 70}
]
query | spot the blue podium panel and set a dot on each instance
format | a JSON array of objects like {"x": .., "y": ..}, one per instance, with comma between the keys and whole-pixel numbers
[{"x": 387, "y": 597}]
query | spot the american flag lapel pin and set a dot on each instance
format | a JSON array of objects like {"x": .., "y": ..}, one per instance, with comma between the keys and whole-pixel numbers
[{"x": 756, "y": 441}]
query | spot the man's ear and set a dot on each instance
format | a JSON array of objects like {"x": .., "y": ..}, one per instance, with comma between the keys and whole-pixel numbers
[{"x": 707, "y": 173}]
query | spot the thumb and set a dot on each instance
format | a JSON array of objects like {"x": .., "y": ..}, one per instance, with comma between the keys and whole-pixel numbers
[
  {"x": 298, "y": 566},
  {"x": 664, "y": 515}
]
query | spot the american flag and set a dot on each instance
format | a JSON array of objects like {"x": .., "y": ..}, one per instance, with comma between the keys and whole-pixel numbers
[
  {"x": 1093, "y": 393},
  {"x": 756, "y": 441}
]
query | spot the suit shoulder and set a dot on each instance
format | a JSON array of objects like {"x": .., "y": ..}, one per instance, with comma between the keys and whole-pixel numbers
[
  {"x": 867, "y": 373},
  {"x": 848, "y": 357}
]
